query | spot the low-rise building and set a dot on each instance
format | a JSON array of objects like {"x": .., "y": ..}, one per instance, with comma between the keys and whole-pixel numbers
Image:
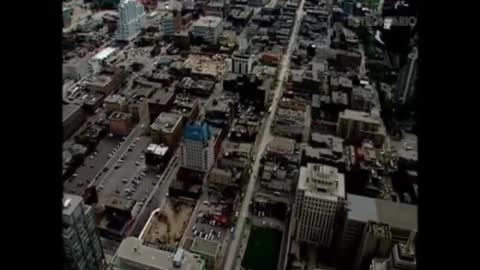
[
  {"x": 222, "y": 177},
  {"x": 356, "y": 126},
  {"x": 157, "y": 155},
  {"x": 133, "y": 254},
  {"x": 115, "y": 102},
  {"x": 167, "y": 129},
  {"x": 207, "y": 249},
  {"x": 120, "y": 123},
  {"x": 187, "y": 106},
  {"x": 220, "y": 112},
  {"x": 160, "y": 101}
]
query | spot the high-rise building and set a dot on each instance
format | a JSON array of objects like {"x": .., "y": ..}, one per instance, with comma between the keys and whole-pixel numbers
[
  {"x": 402, "y": 257},
  {"x": 131, "y": 19},
  {"x": 197, "y": 147},
  {"x": 405, "y": 87},
  {"x": 82, "y": 247},
  {"x": 319, "y": 202},
  {"x": 376, "y": 242},
  {"x": 242, "y": 62}
]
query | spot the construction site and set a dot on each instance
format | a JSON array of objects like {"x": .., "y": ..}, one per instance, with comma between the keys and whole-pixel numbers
[{"x": 167, "y": 225}]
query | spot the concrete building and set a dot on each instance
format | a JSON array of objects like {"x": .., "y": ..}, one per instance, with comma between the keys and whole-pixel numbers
[
  {"x": 401, "y": 219},
  {"x": 356, "y": 126},
  {"x": 131, "y": 19},
  {"x": 221, "y": 177},
  {"x": 161, "y": 101},
  {"x": 402, "y": 257},
  {"x": 220, "y": 112},
  {"x": 133, "y": 254},
  {"x": 76, "y": 68},
  {"x": 242, "y": 63},
  {"x": 115, "y": 102},
  {"x": 171, "y": 20},
  {"x": 156, "y": 155},
  {"x": 208, "y": 29},
  {"x": 80, "y": 239},
  {"x": 120, "y": 123},
  {"x": 376, "y": 242},
  {"x": 217, "y": 8},
  {"x": 73, "y": 118},
  {"x": 99, "y": 60},
  {"x": 405, "y": 88},
  {"x": 103, "y": 84},
  {"x": 319, "y": 200},
  {"x": 167, "y": 129},
  {"x": 208, "y": 250},
  {"x": 198, "y": 147}
]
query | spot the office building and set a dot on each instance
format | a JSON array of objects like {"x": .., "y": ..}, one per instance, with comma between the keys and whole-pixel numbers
[
  {"x": 134, "y": 254},
  {"x": 356, "y": 126},
  {"x": 198, "y": 147},
  {"x": 73, "y": 118},
  {"x": 402, "y": 257},
  {"x": 242, "y": 63},
  {"x": 171, "y": 20},
  {"x": 376, "y": 242},
  {"x": 401, "y": 219},
  {"x": 319, "y": 202},
  {"x": 208, "y": 29},
  {"x": 405, "y": 88},
  {"x": 82, "y": 248},
  {"x": 131, "y": 20},
  {"x": 167, "y": 129}
]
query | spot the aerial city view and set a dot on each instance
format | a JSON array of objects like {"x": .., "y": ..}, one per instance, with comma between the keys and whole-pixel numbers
[{"x": 239, "y": 134}]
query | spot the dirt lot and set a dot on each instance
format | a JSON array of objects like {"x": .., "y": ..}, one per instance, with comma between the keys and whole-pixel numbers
[{"x": 170, "y": 224}]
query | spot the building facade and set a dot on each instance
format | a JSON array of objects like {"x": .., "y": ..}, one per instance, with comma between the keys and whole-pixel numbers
[
  {"x": 242, "y": 63},
  {"x": 120, "y": 123},
  {"x": 319, "y": 201},
  {"x": 356, "y": 126},
  {"x": 208, "y": 29},
  {"x": 82, "y": 248},
  {"x": 131, "y": 19},
  {"x": 405, "y": 88},
  {"x": 198, "y": 147}
]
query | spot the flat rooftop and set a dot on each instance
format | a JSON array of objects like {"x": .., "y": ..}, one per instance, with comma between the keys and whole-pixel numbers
[
  {"x": 397, "y": 215},
  {"x": 207, "y": 21},
  {"x": 322, "y": 181},
  {"x": 207, "y": 247},
  {"x": 166, "y": 122},
  {"x": 359, "y": 116},
  {"x": 132, "y": 251},
  {"x": 282, "y": 145},
  {"x": 68, "y": 110},
  {"x": 70, "y": 203},
  {"x": 117, "y": 116},
  {"x": 161, "y": 97}
]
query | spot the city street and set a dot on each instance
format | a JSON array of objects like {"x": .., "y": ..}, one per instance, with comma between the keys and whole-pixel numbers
[{"x": 265, "y": 140}]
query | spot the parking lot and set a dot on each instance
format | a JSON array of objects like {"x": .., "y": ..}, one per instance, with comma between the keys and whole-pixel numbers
[
  {"x": 130, "y": 178},
  {"x": 93, "y": 164}
]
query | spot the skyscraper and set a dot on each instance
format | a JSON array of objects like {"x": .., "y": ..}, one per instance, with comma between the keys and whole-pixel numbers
[
  {"x": 405, "y": 87},
  {"x": 197, "y": 147},
  {"x": 242, "y": 62},
  {"x": 131, "y": 19},
  {"x": 82, "y": 247},
  {"x": 319, "y": 203}
]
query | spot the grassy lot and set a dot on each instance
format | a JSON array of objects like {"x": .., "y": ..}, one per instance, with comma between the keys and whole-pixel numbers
[{"x": 262, "y": 249}]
